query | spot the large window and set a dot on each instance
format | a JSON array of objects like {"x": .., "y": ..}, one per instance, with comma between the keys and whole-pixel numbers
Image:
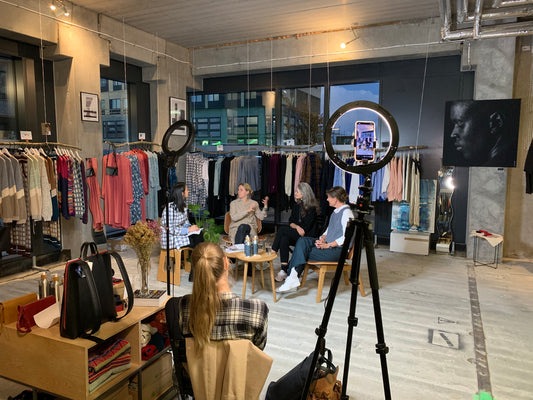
[
  {"x": 8, "y": 117},
  {"x": 249, "y": 117},
  {"x": 340, "y": 95},
  {"x": 233, "y": 118},
  {"x": 302, "y": 116},
  {"x": 114, "y": 110}
]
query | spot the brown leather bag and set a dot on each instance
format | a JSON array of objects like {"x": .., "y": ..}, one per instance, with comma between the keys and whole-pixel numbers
[
  {"x": 326, "y": 387},
  {"x": 9, "y": 309}
]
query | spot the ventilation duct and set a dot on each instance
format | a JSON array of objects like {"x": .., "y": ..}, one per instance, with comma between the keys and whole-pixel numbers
[{"x": 500, "y": 19}]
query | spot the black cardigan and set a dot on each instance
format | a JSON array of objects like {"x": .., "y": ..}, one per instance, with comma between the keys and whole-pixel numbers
[{"x": 307, "y": 223}]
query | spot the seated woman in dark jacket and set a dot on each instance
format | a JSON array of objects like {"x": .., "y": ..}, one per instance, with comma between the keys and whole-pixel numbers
[{"x": 301, "y": 223}]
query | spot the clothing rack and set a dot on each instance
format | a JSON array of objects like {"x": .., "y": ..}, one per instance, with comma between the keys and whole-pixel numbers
[{"x": 55, "y": 144}]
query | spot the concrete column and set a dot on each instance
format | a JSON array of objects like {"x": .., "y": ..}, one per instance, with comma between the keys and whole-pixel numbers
[
  {"x": 494, "y": 65},
  {"x": 78, "y": 70},
  {"x": 518, "y": 216}
]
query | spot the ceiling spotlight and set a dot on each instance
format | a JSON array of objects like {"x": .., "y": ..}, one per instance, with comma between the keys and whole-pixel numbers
[
  {"x": 344, "y": 44},
  {"x": 59, "y": 7}
]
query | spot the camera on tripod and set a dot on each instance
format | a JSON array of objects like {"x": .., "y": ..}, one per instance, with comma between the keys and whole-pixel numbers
[{"x": 358, "y": 232}]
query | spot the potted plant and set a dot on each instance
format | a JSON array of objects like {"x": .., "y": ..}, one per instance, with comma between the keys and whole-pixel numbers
[{"x": 211, "y": 230}]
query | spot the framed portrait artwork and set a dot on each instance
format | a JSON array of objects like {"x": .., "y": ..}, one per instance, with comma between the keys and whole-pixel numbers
[
  {"x": 89, "y": 107},
  {"x": 481, "y": 133},
  {"x": 178, "y": 111}
]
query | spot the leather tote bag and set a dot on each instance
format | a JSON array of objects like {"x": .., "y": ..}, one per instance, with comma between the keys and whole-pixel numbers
[
  {"x": 102, "y": 272},
  {"x": 88, "y": 299}
]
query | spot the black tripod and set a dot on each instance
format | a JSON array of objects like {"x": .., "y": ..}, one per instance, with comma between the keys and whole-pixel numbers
[{"x": 363, "y": 237}]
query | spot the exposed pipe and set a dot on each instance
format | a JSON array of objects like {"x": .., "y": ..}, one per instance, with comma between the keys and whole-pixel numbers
[
  {"x": 506, "y": 3},
  {"x": 490, "y": 32},
  {"x": 462, "y": 10},
  {"x": 477, "y": 18},
  {"x": 493, "y": 31},
  {"x": 495, "y": 13}
]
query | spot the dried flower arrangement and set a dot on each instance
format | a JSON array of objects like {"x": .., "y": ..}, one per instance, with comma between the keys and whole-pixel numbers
[{"x": 142, "y": 238}]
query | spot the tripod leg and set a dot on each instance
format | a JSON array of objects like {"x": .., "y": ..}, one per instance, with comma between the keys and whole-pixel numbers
[
  {"x": 352, "y": 319},
  {"x": 381, "y": 347},
  {"x": 321, "y": 330}
]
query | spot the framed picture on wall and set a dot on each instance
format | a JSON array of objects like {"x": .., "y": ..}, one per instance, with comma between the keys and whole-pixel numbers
[
  {"x": 178, "y": 111},
  {"x": 481, "y": 133},
  {"x": 89, "y": 107}
]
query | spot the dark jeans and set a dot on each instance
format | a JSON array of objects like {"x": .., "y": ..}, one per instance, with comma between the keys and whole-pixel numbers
[
  {"x": 242, "y": 231},
  {"x": 305, "y": 250},
  {"x": 285, "y": 237},
  {"x": 194, "y": 240}
]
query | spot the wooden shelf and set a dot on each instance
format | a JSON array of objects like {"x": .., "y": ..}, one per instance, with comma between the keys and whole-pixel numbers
[{"x": 44, "y": 360}]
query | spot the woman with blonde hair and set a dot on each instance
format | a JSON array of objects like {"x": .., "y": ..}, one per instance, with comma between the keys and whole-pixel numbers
[
  {"x": 212, "y": 311},
  {"x": 243, "y": 211}
]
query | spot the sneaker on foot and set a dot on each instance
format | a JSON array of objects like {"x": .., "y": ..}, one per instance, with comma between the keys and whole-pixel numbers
[
  {"x": 291, "y": 282},
  {"x": 280, "y": 277}
]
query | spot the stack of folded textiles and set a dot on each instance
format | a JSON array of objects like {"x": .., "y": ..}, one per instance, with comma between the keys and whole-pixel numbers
[{"x": 104, "y": 365}]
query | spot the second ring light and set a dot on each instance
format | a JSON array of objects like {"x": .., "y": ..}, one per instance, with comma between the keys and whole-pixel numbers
[{"x": 363, "y": 169}]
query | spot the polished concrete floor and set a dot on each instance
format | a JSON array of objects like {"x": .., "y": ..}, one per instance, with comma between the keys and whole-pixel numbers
[{"x": 453, "y": 329}]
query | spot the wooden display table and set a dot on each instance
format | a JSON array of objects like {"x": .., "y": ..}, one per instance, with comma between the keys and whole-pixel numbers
[
  {"x": 259, "y": 258},
  {"x": 44, "y": 360}
]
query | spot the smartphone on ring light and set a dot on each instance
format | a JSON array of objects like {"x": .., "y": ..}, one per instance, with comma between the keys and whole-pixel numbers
[{"x": 365, "y": 141}]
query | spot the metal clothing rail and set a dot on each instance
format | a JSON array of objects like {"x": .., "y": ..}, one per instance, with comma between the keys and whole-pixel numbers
[
  {"x": 56, "y": 144},
  {"x": 261, "y": 148},
  {"x": 131, "y": 143}
]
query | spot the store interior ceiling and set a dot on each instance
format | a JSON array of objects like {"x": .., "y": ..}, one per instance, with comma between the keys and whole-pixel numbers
[{"x": 207, "y": 23}]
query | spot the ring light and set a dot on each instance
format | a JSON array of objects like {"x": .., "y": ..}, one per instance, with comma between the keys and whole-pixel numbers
[{"x": 363, "y": 169}]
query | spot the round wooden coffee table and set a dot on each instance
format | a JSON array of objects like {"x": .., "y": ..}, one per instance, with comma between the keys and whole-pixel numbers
[{"x": 259, "y": 258}]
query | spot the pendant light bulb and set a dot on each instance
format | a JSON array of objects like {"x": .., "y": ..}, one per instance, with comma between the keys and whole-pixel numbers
[
  {"x": 343, "y": 45},
  {"x": 53, "y": 7}
]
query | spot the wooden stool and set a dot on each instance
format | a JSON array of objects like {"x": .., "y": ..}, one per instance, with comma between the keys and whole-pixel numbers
[
  {"x": 321, "y": 267},
  {"x": 176, "y": 255}
]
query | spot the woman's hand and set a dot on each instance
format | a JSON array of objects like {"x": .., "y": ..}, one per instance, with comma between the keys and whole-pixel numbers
[
  {"x": 251, "y": 209},
  {"x": 300, "y": 230},
  {"x": 193, "y": 228},
  {"x": 265, "y": 202},
  {"x": 319, "y": 243}
]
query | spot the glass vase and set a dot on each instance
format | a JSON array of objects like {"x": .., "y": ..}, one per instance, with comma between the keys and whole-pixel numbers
[{"x": 145, "y": 271}]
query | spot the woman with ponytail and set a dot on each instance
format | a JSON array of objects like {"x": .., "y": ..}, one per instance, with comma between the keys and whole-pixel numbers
[{"x": 212, "y": 311}]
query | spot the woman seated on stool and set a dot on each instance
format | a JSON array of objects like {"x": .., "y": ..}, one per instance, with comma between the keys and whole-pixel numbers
[
  {"x": 328, "y": 246},
  {"x": 181, "y": 232},
  {"x": 243, "y": 211},
  {"x": 301, "y": 223},
  {"x": 212, "y": 312}
]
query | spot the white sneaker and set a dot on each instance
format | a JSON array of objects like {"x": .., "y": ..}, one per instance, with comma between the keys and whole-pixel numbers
[
  {"x": 291, "y": 282},
  {"x": 280, "y": 277}
]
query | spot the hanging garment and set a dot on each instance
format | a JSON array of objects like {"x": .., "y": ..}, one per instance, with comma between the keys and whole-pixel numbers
[
  {"x": 414, "y": 196},
  {"x": 528, "y": 169},
  {"x": 94, "y": 194}
]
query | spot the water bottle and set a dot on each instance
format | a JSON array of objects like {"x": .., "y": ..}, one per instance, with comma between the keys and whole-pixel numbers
[
  {"x": 247, "y": 246},
  {"x": 255, "y": 250},
  {"x": 55, "y": 287},
  {"x": 43, "y": 286}
]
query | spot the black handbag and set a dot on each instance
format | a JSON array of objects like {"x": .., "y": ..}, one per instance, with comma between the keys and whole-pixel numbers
[
  {"x": 88, "y": 299},
  {"x": 291, "y": 385}
]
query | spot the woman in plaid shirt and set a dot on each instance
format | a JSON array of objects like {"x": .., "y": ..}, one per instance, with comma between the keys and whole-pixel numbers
[
  {"x": 212, "y": 312},
  {"x": 181, "y": 232}
]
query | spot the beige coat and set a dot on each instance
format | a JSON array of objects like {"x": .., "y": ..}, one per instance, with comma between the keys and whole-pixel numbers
[
  {"x": 238, "y": 211},
  {"x": 227, "y": 370}
]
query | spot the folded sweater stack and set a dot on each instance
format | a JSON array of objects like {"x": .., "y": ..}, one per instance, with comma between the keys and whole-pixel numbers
[{"x": 103, "y": 366}]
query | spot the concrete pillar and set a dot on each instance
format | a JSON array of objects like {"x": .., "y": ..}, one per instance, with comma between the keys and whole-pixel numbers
[
  {"x": 494, "y": 65},
  {"x": 518, "y": 216}
]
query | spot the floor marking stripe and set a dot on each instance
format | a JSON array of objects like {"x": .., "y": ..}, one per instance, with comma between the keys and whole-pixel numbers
[{"x": 482, "y": 364}]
